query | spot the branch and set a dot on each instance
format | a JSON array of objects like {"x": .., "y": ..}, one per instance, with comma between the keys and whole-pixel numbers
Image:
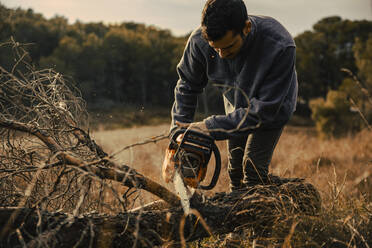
[{"x": 126, "y": 175}]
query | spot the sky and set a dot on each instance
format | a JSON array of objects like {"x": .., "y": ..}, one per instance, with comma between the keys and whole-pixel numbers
[{"x": 182, "y": 16}]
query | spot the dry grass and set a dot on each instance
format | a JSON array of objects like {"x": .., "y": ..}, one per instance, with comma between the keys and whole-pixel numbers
[
  {"x": 299, "y": 153},
  {"x": 338, "y": 168},
  {"x": 126, "y": 117},
  {"x": 146, "y": 159},
  {"x": 324, "y": 162}
]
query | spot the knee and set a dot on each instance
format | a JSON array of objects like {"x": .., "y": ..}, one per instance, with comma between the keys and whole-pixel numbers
[{"x": 258, "y": 159}]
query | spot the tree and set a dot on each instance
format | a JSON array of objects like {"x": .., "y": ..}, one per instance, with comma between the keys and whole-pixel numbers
[
  {"x": 118, "y": 55},
  {"x": 363, "y": 58},
  {"x": 333, "y": 116},
  {"x": 121, "y": 64},
  {"x": 322, "y": 53},
  {"x": 91, "y": 63},
  {"x": 65, "y": 57},
  {"x": 349, "y": 108}
]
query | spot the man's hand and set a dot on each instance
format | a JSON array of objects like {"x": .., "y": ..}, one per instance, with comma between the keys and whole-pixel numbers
[{"x": 198, "y": 126}]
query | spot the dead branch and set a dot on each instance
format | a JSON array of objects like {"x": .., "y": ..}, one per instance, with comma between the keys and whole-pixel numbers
[{"x": 126, "y": 175}]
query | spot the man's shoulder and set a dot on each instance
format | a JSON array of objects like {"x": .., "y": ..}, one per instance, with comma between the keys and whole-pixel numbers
[
  {"x": 269, "y": 27},
  {"x": 196, "y": 34},
  {"x": 197, "y": 39}
]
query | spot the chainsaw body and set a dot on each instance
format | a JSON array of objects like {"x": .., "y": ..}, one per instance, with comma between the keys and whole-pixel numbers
[{"x": 191, "y": 152}]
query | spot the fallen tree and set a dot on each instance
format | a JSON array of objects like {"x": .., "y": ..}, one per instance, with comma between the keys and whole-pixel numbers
[
  {"x": 257, "y": 207},
  {"x": 54, "y": 180}
]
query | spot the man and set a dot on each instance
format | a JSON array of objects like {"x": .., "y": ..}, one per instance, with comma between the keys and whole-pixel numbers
[{"x": 253, "y": 59}]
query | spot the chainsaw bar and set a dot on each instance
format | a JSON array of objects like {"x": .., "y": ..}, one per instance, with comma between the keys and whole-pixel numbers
[{"x": 183, "y": 192}]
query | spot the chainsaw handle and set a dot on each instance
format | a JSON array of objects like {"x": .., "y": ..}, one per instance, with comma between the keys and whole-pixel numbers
[
  {"x": 187, "y": 132},
  {"x": 217, "y": 169},
  {"x": 214, "y": 149}
]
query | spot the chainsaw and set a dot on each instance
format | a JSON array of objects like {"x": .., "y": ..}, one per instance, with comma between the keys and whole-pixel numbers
[{"x": 190, "y": 152}]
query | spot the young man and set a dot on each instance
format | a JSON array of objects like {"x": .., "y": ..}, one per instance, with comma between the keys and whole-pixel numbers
[{"x": 253, "y": 58}]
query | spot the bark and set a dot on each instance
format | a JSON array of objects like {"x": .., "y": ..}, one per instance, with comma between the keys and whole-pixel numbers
[{"x": 255, "y": 207}]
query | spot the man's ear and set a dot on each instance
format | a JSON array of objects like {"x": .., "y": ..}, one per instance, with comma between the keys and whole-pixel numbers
[{"x": 247, "y": 27}]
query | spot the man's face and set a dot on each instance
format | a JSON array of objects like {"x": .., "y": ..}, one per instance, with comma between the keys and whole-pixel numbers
[{"x": 229, "y": 45}]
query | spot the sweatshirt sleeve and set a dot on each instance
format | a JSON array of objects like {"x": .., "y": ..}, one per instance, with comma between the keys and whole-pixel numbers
[
  {"x": 191, "y": 82},
  {"x": 271, "y": 100}
]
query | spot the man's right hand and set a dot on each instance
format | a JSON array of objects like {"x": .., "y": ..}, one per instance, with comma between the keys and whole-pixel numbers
[{"x": 168, "y": 168}]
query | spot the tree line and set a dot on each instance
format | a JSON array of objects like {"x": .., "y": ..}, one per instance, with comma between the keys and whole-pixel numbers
[
  {"x": 135, "y": 64},
  {"x": 125, "y": 63}
]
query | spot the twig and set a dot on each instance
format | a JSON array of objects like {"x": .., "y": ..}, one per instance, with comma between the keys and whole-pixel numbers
[{"x": 360, "y": 113}]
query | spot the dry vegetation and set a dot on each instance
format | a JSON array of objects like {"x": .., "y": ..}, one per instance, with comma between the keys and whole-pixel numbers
[
  {"x": 49, "y": 163},
  {"x": 345, "y": 162},
  {"x": 340, "y": 169}
]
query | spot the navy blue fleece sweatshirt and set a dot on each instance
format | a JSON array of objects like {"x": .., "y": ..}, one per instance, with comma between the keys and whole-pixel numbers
[{"x": 259, "y": 85}]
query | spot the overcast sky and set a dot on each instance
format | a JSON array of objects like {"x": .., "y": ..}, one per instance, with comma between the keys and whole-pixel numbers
[{"x": 181, "y": 16}]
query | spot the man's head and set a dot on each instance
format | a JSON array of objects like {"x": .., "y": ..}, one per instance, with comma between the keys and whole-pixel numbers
[{"x": 225, "y": 24}]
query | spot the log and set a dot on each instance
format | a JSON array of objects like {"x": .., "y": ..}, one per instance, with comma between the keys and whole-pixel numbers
[{"x": 254, "y": 207}]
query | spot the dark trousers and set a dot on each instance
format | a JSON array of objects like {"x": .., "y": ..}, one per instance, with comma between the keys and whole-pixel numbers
[{"x": 250, "y": 156}]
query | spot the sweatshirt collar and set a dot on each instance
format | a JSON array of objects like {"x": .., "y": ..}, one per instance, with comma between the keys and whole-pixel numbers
[{"x": 248, "y": 40}]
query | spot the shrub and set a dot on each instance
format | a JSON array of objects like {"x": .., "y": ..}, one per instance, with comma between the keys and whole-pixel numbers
[{"x": 334, "y": 117}]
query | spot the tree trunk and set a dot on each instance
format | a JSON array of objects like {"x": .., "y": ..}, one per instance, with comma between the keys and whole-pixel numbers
[{"x": 255, "y": 207}]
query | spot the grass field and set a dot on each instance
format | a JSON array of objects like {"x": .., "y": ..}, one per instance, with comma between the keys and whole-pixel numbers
[{"x": 341, "y": 169}]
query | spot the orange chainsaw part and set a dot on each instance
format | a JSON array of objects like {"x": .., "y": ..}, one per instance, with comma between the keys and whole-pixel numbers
[
  {"x": 193, "y": 180},
  {"x": 198, "y": 170},
  {"x": 189, "y": 153},
  {"x": 168, "y": 168}
]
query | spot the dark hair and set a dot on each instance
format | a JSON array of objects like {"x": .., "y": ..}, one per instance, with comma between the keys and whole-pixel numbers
[{"x": 219, "y": 16}]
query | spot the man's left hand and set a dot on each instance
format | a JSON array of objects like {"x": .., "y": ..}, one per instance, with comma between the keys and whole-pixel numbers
[{"x": 198, "y": 126}]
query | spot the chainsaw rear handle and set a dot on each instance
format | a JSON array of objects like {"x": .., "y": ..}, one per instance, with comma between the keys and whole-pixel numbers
[
  {"x": 217, "y": 169},
  {"x": 213, "y": 146}
]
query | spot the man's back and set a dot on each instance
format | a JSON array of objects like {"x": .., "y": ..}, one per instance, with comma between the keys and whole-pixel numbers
[{"x": 250, "y": 78}]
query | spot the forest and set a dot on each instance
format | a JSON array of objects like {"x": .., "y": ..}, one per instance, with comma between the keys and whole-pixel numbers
[{"x": 131, "y": 64}]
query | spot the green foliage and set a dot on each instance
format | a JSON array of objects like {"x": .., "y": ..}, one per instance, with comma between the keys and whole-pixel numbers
[
  {"x": 334, "y": 116},
  {"x": 113, "y": 65},
  {"x": 321, "y": 54},
  {"x": 134, "y": 64},
  {"x": 25, "y": 26},
  {"x": 363, "y": 58},
  {"x": 349, "y": 108}
]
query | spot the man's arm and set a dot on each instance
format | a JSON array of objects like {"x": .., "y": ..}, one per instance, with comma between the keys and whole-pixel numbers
[
  {"x": 191, "y": 82},
  {"x": 272, "y": 105}
]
